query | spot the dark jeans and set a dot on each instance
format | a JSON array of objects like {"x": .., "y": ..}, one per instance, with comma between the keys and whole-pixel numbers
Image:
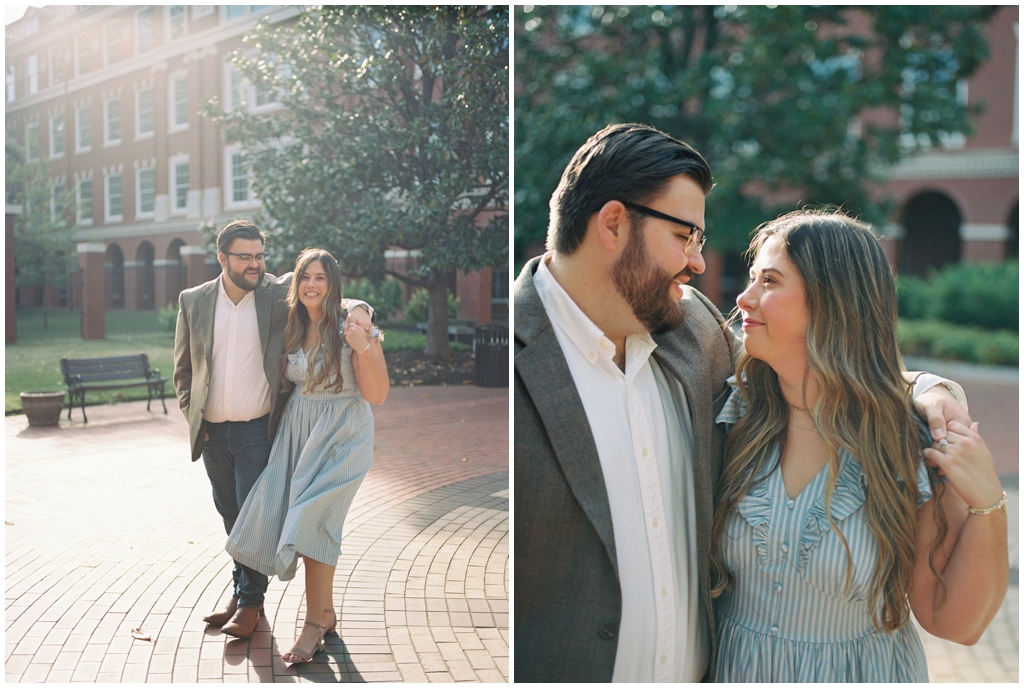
[{"x": 235, "y": 456}]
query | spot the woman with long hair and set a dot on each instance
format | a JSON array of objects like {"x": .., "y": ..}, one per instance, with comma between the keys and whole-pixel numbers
[
  {"x": 830, "y": 528},
  {"x": 323, "y": 447}
]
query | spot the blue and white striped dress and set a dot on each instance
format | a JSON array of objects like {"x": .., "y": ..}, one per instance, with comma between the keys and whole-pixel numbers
[
  {"x": 789, "y": 617},
  {"x": 322, "y": 451}
]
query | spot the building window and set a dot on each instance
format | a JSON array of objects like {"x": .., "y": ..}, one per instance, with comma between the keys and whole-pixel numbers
[
  {"x": 83, "y": 129},
  {"x": 239, "y": 179},
  {"x": 32, "y": 74},
  {"x": 179, "y": 103},
  {"x": 146, "y": 191},
  {"x": 237, "y": 86},
  {"x": 56, "y": 66},
  {"x": 32, "y": 26},
  {"x": 235, "y": 12},
  {"x": 499, "y": 285},
  {"x": 179, "y": 185},
  {"x": 112, "y": 43},
  {"x": 265, "y": 96},
  {"x": 32, "y": 141},
  {"x": 10, "y": 81},
  {"x": 84, "y": 201},
  {"x": 57, "y": 203},
  {"x": 144, "y": 113},
  {"x": 199, "y": 11},
  {"x": 112, "y": 119},
  {"x": 57, "y": 136},
  {"x": 177, "y": 21},
  {"x": 145, "y": 38},
  {"x": 114, "y": 210},
  {"x": 83, "y": 57}
]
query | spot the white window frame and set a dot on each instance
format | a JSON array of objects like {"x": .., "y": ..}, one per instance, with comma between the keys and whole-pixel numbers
[
  {"x": 32, "y": 74},
  {"x": 230, "y": 203},
  {"x": 139, "y": 49},
  {"x": 31, "y": 131},
  {"x": 79, "y": 206},
  {"x": 10, "y": 79},
  {"x": 79, "y": 42},
  {"x": 200, "y": 11},
  {"x": 139, "y": 134},
  {"x": 79, "y": 148},
  {"x": 139, "y": 212},
  {"x": 248, "y": 92},
  {"x": 113, "y": 29},
  {"x": 107, "y": 217},
  {"x": 57, "y": 136},
  {"x": 56, "y": 58},
  {"x": 108, "y": 121},
  {"x": 169, "y": 17},
  {"x": 55, "y": 217},
  {"x": 172, "y": 183},
  {"x": 172, "y": 125}
]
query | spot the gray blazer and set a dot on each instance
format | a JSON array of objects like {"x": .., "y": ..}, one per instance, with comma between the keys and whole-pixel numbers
[
  {"x": 567, "y": 599},
  {"x": 193, "y": 348}
]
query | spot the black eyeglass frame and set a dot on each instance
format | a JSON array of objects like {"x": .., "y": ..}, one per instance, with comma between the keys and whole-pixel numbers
[
  {"x": 246, "y": 257},
  {"x": 662, "y": 216}
]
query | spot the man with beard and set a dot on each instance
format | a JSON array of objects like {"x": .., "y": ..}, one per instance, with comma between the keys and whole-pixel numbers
[
  {"x": 228, "y": 346},
  {"x": 620, "y": 372}
]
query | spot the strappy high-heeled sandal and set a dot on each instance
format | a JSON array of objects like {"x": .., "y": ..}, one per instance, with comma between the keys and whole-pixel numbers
[
  {"x": 334, "y": 622},
  {"x": 304, "y": 657}
]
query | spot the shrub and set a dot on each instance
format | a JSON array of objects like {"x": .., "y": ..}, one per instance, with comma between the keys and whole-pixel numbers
[
  {"x": 386, "y": 297},
  {"x": 416, "y": 309},
  {"x": 168, "y": 317},
  {"x": 913, "y": 298},
  {"x": 950, "y": 341},
  {"x": 982, "y": 294}
]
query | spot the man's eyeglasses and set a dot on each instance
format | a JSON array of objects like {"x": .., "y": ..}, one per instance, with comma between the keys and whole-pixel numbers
[
  {"x": 694, "y": 242},
  {"x": 247, "y": 257}
]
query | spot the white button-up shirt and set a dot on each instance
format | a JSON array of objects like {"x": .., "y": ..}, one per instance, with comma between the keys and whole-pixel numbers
[
  {"x": 641, "y": 425},
  {"x": 239, "y": 390}
]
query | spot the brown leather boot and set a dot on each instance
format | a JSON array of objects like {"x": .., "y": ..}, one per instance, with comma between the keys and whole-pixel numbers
[
  {"x": 222, "y": 617},
  {"x": 243, "y": 623}
]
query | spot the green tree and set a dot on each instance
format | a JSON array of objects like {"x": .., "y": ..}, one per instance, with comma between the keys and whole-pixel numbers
[
  {"x": 782, "y": 101},
  {"x": 393, "y": 135},
  {"x": 44, "y": 254}
]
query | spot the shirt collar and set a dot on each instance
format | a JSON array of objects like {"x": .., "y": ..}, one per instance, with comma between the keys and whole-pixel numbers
[
  {"x": 581, "y": 330},
  {"x": 244, "y": 301}
]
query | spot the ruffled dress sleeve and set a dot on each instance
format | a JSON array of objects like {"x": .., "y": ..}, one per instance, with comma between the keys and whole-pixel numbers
[{"x": 735, "y": 408}]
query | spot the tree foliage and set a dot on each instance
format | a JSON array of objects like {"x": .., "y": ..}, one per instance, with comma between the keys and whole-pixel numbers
[
  {"x": 44, "y": 249},
  {"x": 783, "y": 100},
  {"x": 393, "y": 135}
]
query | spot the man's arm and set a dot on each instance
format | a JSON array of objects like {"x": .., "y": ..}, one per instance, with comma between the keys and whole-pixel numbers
[
  {"x": 182, "y": 358},
  {"x": 938, "y": 401},
  {"x": 359, "y": 312}
]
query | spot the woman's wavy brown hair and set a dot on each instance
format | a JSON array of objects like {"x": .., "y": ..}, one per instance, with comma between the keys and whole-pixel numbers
[
  {"x": 864, "y": 404},
  {"x": 328, "y": 347}
]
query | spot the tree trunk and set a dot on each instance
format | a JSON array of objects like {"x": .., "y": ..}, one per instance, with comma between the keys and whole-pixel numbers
[{"x": 437, "y": 316}]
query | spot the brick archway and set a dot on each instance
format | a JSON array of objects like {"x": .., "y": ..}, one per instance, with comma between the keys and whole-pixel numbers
[{"x": 931, "y": 221}]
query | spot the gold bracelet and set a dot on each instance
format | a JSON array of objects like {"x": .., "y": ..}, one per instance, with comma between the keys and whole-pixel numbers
[
  {"x": 995, "y": 507},
  {"x": 368, "y": 345}
]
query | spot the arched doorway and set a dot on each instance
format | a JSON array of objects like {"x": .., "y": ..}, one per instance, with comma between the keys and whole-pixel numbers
[
  {"x": 114, "y": 265},
  {"x": 174, "y": 273},
  {"x": 147, "y": 283},
  {"x": 931, "y": 222},
  {"x": 1013, "y": 237}
]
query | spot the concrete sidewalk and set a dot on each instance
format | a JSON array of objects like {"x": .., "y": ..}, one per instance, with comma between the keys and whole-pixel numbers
[{"x": 110, "y": 528}]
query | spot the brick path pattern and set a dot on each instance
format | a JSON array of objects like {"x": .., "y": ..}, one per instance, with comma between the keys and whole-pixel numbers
[{"x": 110, "y": 528}]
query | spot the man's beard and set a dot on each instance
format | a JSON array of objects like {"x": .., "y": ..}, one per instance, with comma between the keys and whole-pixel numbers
[
  {"x": 239, "y": 279},
  {"x": 645, "y": 286}
]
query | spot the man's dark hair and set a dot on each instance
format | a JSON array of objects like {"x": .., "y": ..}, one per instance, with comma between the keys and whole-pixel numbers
[
  {"x": 239, "y": 229},
  {"x": 625, "y": 162}
]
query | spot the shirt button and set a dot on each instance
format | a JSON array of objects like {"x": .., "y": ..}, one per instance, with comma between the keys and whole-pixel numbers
[
  {"x": 655, "y": 521},
  {"x": 664, "y": 592},
  {"x": 774, "y": 630},
  {"x": 785, "y": 547},
  {"x": 777, "y": 587},
  {"x": 591, "y": 355},
  {"x": 790, "y": 504},
  {"x": 663, "y": 659},
  {"x": 644, "y": 451}
]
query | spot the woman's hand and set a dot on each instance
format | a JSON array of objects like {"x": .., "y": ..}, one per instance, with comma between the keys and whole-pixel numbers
[
  {"x": 967, "y": 463},
  {"x": 359, "y": 316},
  {"x": 355, "y": 335}
]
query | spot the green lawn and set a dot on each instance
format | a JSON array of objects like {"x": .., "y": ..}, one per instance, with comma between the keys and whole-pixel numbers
[{"x": 34, "y": 366}]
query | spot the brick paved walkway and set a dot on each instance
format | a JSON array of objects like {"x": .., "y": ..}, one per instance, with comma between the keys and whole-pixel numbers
[{"x": 110, "y": 528}]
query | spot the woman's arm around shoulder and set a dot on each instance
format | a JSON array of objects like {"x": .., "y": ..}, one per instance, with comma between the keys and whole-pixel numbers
[
  {"x": 973, "y": 557},
  {"x": 368, "y": 363}
]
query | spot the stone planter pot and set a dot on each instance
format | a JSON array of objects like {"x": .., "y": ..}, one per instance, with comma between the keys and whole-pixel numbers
[{"x": 42, "y": 408}]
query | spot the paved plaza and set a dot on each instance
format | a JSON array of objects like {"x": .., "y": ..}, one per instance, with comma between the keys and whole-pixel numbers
[{"x": 114, "y": 552}]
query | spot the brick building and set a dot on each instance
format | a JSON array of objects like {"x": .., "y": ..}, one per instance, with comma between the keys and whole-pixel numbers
[{"x": 109, "y": 97}]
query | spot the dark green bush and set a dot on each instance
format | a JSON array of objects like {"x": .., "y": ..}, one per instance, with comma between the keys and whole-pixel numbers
[
  {"x": 938, "y": 339},
  {"x": 386, "y": 297},
  {"x": 980, "y": 294},
  {"x": 913, "y": 298},
  {"x": 419, "y": 302}
]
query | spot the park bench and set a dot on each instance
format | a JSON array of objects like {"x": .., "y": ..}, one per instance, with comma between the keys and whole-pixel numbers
[{"x": 83, "y": 375}]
